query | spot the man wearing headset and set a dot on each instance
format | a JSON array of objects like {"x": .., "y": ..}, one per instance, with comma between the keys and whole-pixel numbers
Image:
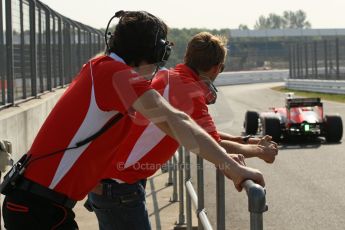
[
  {"x": 119, "y": 201},
  {"x": 77, "y": 142}
]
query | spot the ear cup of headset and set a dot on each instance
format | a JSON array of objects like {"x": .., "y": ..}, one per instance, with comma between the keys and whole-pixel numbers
[{"x": 162, "y": 52}]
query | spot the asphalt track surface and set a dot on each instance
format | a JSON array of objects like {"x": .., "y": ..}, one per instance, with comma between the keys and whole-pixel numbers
[{"x": 305, "y": 185}]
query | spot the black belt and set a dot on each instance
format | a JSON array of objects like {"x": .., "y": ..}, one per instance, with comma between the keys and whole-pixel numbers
[
  {"x": 109, "y": 188},
  {"x": 39, "y": 190}
]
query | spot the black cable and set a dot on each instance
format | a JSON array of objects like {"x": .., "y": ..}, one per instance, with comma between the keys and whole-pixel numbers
[
  {"x": 106, "y": 32},
  {"x": 112, "y": 121}
]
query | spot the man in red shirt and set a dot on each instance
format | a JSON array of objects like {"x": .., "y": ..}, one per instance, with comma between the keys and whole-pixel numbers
[
  {"x": 119, "y": 202},
  {"x": 70, "y": 154}
]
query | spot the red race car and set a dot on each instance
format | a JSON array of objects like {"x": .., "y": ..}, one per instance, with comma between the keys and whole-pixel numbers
[{"x": 299, "y": 117}]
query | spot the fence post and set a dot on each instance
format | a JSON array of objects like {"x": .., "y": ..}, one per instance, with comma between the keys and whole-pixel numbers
[
  {"x": 337, "y": 57},
  {"x": 2, "y": 57},
  {"x": 61, "y": 51},
  {"x": 256, "y": 203},
  {"x": 293, "y": 48},
  {"x": 306, "y": 60},
  {"x": 200, "y": 179},
  {"x": 188, "y": 199},
  {"x": 170, "y": 171},
  {"x": 9, "y": 53},
  {"x": 220, "y": 193},
  {"x": 326, "y": 58},
  {"x": 33, "y": 48},
  {"x": 174, "y": 195},
  {"x": 22, "y": 48},
  {"x": 48, "y": 50},
  {"x": 181, "y": 219},
  {"x": 290, "y": 60},
  {"x": 315, "y": 59}
]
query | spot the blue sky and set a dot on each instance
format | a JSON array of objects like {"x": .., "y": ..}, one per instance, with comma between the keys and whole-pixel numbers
[{"x": 213, "y": 14}]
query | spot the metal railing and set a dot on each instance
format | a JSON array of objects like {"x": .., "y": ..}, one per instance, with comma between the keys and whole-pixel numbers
[
  {"x": 323, "y": 60},
  {"x": 256, "y": 195},
  {"x": 40, "y": 49}
]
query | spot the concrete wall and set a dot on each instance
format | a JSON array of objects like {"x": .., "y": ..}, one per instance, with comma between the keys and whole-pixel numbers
[{"x": 21, "y": 123}]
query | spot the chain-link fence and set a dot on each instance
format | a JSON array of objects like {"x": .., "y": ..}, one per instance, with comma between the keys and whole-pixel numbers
[
  {"x": 324, "y": 60},
  {"x": 40, "y": 49}
]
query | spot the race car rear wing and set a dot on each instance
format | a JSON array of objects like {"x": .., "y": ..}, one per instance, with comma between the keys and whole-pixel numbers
[{"x": 303, "y": 102}]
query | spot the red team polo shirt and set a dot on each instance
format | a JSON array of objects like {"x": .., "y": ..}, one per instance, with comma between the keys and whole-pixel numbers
[
  {"x": 147, "y": 147},
  {"x": 104, "y": 87}
]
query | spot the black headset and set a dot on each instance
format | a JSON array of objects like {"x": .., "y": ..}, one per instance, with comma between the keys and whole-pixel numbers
[{"x": 162, "y": 49}]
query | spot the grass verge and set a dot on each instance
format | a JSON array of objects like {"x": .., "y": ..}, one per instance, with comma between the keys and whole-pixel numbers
[{"x": 323, "y": 96}]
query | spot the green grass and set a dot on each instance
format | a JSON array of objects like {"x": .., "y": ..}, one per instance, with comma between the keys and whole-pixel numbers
[{"x": 323, "y": 96}]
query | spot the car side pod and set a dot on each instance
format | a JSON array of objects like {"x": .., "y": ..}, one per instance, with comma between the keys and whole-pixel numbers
[{"x": 333, "y": 128}]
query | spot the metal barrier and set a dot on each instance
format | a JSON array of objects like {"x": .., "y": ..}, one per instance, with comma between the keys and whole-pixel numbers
[
  {"x": 256, "y": 196},
  {"x": 313, "y": 85},
  {"x": 322, "y": 59},
  {"x": 42, "y": 49},
  {"x": 256, "y": 203}
]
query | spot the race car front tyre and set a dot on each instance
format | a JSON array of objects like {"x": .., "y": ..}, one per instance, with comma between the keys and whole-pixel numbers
[{"x": 333, "y": 128}]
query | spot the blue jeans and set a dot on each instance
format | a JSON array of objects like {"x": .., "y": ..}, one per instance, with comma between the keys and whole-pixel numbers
[{"x": 113, "y": 214}]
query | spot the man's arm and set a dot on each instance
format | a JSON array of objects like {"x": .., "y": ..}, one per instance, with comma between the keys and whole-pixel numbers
[
  {"x": 264, "y": 152},
  {"x": 229, "y": 137},
  {"x": 182, "y": 128},
  {"x": 240, "y": 139}
]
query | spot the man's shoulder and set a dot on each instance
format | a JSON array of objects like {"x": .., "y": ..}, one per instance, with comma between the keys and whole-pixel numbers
[{"x": 107, "y": 63}]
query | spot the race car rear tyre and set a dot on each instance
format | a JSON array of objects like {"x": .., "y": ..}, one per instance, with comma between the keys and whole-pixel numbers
[
  {"x": 333, "y": 128},
  {"x": 251, "y": 122},
  {"x": 271, "y": 126}
]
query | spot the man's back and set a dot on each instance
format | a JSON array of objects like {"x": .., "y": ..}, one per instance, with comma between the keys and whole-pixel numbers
[{"x": 146, "y": 147}]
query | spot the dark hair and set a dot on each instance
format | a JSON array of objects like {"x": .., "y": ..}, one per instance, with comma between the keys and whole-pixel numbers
[
  {"x": 205, "y": 50},
  {"x": 136, "y": 35}
]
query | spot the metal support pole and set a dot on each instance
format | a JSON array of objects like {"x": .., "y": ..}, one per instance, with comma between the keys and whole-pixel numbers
[
  {"x": 298, "y": 61},
  {"x": 22, "y": 48},
  {"x": 48, "y": 51},
  {"x": 256, "y": 203},
  {"x": 188, "y": 199},
  {"x": 315, "y": 60},
  {"x": 290, "y": 60},
  {"x": 170, "y": 171},
  {"x": 181, "y": 219},
  {"x": 2, "y": 58},
  {"x": 306, "y": 60},
  {"x": 9, "y": 53},
  {"x": 201, "y": 213},
  {"x": 39, "y": 52},
  {"x": 220, "y": 191},
  {"x": 33, "y": 48},
  {"x": 174, "y": 195},
  {"x": 200, "y": 179},
  {"x": 293, "y": 50},
  {"x": 61, "y": 52},
  {"x": 326, "y": 58},
  {"x": 300, "y": 58},
  {"x": 337, "y": 57},
  {"x": 79, "y": 49}
]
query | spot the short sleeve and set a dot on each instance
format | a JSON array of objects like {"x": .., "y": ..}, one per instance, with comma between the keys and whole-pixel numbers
[{"x": 118, "y": 86}]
